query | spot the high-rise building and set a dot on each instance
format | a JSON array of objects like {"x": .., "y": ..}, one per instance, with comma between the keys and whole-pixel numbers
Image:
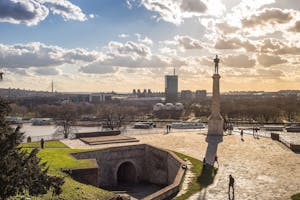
[{"x": 171, "y": 88}]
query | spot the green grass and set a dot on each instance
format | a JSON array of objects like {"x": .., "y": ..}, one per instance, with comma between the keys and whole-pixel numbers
[
  {"x": 202, "y": 178},
  {"x": 48, "y": 144},
  {"x": 59, "y": 158},
  {"x": 296, "y": 197}
]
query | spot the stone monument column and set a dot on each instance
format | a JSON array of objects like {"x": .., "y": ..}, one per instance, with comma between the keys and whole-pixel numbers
[{"x": 215, "y": 120}]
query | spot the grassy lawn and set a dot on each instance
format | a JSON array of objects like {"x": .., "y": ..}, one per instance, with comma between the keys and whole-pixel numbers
[
  {"x": 58, "y": 158},
  {"x": 202, "y": 178},
  {"x": 48, "y": 144},
  {"x": 296, "y": 197}
]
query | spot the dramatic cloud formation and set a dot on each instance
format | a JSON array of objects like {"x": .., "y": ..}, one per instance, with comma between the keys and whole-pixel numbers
[
  {"x": 31, "y": 12},
  {"x": 66, "y": 9},
  {"x": 238, "y": 61},
  {"x": 188, "y": 42},
  {"x": 271, "y": 16},
  {"x": 234, "y": 43},
  {"x": 269, "y": 60},
  {"x": 176, "y": 11},
  {"x": 296, "y": 27},
  {"x": 135, "y": 49},
  {"x": 40, "y": 55}
]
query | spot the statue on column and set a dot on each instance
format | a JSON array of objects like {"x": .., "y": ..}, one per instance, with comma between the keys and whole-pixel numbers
[{"x": 216, "y": 60}]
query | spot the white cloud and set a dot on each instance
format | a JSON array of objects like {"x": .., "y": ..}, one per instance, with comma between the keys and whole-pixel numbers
[
  {"x": 188, "y": 42},
  {"x": 267, "y": 16},
  {"x": 29, "y": 12},
  {"x": 66, "y": 9},
  {"x": 175, "y": 11},
  {"x": 40, "y": 55},
  {"x": 130, "y": 47},
  {"x": 123, "y": 35}
]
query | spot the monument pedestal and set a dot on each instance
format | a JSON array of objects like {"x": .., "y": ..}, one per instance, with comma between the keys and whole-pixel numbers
[{"x": 215, "y": 123}]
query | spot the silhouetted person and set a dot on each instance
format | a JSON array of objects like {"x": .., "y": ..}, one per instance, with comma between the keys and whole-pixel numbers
[
  {"x": 216, "y": 160},
  {"x": 168, "y": 128},
  {"x": 42, "y": 143},
  {"x": 204, "y": 162},
  {"x": 231, "y": 185},
  {"x": 1, "y": 76},
  {"x": 28, "y": 139},
  {"x": 242, "y": 133}
]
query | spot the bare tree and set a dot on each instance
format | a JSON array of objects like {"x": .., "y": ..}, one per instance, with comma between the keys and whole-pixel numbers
[{"x": 66, "y": 118}]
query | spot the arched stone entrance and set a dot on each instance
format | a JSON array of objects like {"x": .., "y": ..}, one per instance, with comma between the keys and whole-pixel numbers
[{"x": 126, "y": 173}]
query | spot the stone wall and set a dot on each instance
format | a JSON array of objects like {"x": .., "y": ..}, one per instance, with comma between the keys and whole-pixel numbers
[
  {"x": 151, "y": 164},
  {"x": 96, "y": 134},
  {"x": 85, "y": 175}
]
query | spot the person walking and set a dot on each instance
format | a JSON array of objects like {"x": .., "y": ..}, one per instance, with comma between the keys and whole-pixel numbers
[
  {"x": 231, "y": 185},
  {"x": 167, "y": 128},
  {"x": 242, "y": 133}
]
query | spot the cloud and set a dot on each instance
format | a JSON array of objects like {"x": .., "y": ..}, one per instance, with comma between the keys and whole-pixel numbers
[
  {"x": 188, "y": 42},
  {"x": 277, "y": 47},
  {"x": 176, "y": 11},
  {"x": 40, "y": 55},
  {"x": 66, "y": 9},
  {"x": 234, "y": 43},
  {"x": 195, "y": 6},
  {"x": 130, "y": 47},
  {"x": 29, "y": 12},
  {"x": 96, "y": 68},
  {"x": 296, "y": 27},
  {"x": 47, "y": 71},
  {"x": 267, "y": 16},
  {"x": 238, "y": 61},
  {"x": 269, "y": 73},
  {"x": 268, "y": 60},
  {"x": 226, "y": 28},
  {"x": 123, "y": 35}
]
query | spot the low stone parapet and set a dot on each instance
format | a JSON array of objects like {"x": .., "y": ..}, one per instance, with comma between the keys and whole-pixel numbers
[{"x": 97, "y": 134}]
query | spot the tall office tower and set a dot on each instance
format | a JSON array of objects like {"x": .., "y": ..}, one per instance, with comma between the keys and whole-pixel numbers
[{"x": 171, "y": 88}]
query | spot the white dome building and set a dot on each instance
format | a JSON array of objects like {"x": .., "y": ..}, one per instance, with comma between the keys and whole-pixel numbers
[
  {"x": 179, "y": 106},
  {"x": 169, "y": 106},
  {"x": 158, "y": 107}
]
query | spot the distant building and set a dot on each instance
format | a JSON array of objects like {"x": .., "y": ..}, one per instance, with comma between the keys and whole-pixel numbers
[
  {"x": 200, "y": 94},
  {"x": 186, "y": 95},
  {"x": 171, "y": 88},
  {"x": 100, "y": 97}
]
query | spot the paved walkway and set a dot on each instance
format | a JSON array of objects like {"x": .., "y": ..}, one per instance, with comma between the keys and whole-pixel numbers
[{"x": 262, "y": 168}]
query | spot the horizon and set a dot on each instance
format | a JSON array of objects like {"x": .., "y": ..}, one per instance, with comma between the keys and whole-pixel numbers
[{"x": 125, "y": 44}]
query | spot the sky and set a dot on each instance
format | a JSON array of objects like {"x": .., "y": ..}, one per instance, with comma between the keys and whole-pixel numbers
[{"x": 120, "y": 45}]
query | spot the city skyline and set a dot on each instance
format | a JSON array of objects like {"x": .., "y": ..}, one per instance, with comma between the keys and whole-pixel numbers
[{"x": 124, "y": 44}]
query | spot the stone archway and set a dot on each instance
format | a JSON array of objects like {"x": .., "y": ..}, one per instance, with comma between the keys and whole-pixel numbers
[{"x": 126, "y": 173}]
